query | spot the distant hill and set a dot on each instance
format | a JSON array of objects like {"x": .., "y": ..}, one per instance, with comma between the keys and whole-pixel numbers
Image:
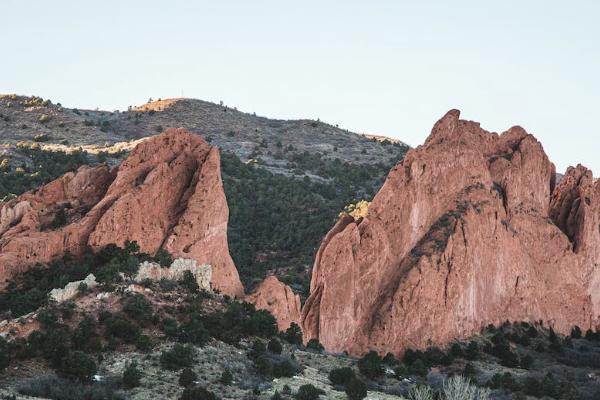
[{"x": 247, "y": 135}]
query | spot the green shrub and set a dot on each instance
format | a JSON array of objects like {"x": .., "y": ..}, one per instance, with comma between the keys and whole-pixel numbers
[
  {"x": 187, "y": 377},
  {"x": 258, "y": 349},
  {"x": 456, "y": 350},
  {"x": 197, "y": 393},
  {"x": 400, "y": 371},
  {"x": 274, "y": 346},
  {"x": 78, "y": 366},
  {"x": 526, "y": 361},
  {"x": 226, "y": 378},
  {"x": 132, "y": 376},
  {"x": 55, "y": 344},
  {"x": 85, "y": 337},
  {"x": 60, "y": 219},
  {"x": 240, "y": 320},
  {"x": 194, "y": 332},
  {"x": 52, "y": 387},
  {"x": 163, "y": 257},
  {"x": 314, "y": 344},
  {"x": 390, "y": 359},
  {"x": 180, "y": 356},
  {"x": 285, "y": 368},
  {"x": 469, "y": 370},
  {"x": 264, "y": 366},
  {"x": 308, "y": 392},
  {"x": 472, "y": 352},
  {"x": 188, "y": 281},
  {"x": 169, "y": 327},
  {"x": 370, "y": 365},
  {"x": 138, "y": 308},
  {"x": 109, "y": 274},
  {"x": 143, "y": 343},
  {"x": 4, "y": 354},
  {"x": 341, "y": 376},
  {"x": 262, "y": 202},
  {"x": 293, "y": 335},
  {"x": 504, "y": 381},
  {"x": 418, "y": 368},
  {"x": 117, "y": 325},
  {"x": 356, "y": 389}
]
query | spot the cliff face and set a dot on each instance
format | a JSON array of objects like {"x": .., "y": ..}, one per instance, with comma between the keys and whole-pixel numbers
[
  {"x": 467, "y": 230},
  {"x": 168, "y": 193}
]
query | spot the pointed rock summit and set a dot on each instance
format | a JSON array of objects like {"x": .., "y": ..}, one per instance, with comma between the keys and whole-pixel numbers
[
  {"x": 168, "y": 193},
  {"x": 468, "y": 230}
]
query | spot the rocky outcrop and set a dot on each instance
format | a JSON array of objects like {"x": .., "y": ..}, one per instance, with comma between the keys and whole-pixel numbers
[
  {"x": 27, "y": 234},
  {"x": 467, "y": 230},
  {"x": 279, "y": 299},
  {"x": 155, "y": 272},
  {"x": 72, "y": 289},
  {"x": 168, "y": 193}
]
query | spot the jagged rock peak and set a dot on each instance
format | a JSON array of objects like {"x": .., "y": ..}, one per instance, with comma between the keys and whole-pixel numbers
[{"x": 466, "y": 231}]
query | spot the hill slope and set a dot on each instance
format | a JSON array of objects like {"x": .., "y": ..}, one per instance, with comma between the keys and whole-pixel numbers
[{"x": 246, "y": 135}]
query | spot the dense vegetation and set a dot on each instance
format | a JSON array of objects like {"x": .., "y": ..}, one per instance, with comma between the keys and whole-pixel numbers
[
  {"x": 276, "y": 222},
  {"x": 43, "y": 167},
  {"x": 29, "y": 290}
]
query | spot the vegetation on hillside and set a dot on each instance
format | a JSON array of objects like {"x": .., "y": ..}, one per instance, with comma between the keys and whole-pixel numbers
[
  {"x": 44, "y": 166},
  {"x": 277, "y": 222},
  {"x": 29, "y": 290}
]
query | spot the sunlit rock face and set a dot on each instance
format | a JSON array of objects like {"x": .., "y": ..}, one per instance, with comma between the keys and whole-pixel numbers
[
  {"x": 469, "y": 229},
  {"x": 168, "y": 193}
]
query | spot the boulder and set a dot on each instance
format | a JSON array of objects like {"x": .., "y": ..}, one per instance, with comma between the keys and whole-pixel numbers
[
  {"x": 155, "y": 272},
  {"x": 71, "y": 289}
]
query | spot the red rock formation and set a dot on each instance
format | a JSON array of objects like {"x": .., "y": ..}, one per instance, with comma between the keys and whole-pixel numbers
[
  {"x": 467, "y": 230},
  {"x": 279, "y": 300},
  {"x": 168, "y": 193}
]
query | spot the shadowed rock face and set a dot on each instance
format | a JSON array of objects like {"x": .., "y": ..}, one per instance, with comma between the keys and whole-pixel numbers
[
  {"x": 279, "y": 299},
  {"x": 467, "y": 230},
  {"x": 168, "y": 193}
]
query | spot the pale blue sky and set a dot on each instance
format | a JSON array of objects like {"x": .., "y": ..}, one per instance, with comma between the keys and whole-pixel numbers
[{"x": 387, "y": 67}]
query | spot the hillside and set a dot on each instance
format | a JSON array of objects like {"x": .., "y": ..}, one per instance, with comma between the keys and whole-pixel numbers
[
  {"x": 83, "y": 348},
  {"x": 246, "y": 135}
]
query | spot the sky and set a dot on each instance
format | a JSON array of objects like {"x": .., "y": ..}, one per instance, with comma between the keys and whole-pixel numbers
[{"x": 383, "y": 67}]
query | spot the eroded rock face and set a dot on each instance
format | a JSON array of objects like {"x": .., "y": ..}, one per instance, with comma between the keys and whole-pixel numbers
[
  {"x": 279, "y": 299},
  {"x": 467, "y": 230},
  {"x": 155, "y": 272},
  {"x": 168, "y": 193}
]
